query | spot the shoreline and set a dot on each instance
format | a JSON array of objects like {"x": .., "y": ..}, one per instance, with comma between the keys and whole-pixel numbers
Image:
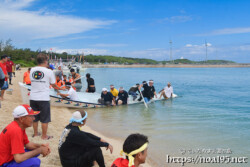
[
  {"x": 242, "y": 65},
  {"x": 60, "y": 118}
]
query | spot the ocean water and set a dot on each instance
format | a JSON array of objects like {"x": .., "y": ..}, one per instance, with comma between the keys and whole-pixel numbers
[{"x": 211, "y": 113}]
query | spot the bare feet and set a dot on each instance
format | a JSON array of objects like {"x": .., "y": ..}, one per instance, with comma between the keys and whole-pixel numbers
[{"x": 38, "y": 134}]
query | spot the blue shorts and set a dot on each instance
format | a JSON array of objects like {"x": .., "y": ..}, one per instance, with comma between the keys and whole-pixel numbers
[
  {"x": 146, "y": 99},
  {"x": 5, "y": 85},
  {"x": 32, "y": 162}
]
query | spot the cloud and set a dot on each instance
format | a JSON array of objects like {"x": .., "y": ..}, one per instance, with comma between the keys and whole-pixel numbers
[
  {"x": 178, "y": 19},
  {"x": 105, "y": 45},
  {"x": 227, "y": 31},
  {"x": 15, "y": 22}
]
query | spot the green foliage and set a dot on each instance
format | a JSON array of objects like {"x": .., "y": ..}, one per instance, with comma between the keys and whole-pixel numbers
[
  {"x": 26, "y": 57},
  {"x": 24, "y": 63}
]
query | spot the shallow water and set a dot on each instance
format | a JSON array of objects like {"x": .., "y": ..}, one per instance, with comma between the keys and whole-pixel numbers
[{"x": 211, "y": 112}]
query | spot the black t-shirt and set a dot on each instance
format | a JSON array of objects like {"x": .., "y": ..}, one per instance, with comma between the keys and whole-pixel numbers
[
  {"x": 90, "y": 81},
  {"x": 134, "y": 89},
  {"x": 107, "y": 97},
  {"x": 74, "y": 142},
  {"x": 123, "y": 97},
  {"x": 148, "y": 91}
]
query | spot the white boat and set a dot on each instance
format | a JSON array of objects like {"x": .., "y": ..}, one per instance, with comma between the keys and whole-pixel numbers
[{"x": 86, "y": 100}]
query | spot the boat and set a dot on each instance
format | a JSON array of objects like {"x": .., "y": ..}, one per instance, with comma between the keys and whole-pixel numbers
[{"x": 87, "y": 100}]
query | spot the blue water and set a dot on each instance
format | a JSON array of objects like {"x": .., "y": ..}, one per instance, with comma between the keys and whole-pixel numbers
[{"x": 212, "y": 110}]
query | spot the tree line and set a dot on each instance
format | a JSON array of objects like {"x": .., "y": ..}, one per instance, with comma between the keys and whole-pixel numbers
[{"x": 26, "y": 57}]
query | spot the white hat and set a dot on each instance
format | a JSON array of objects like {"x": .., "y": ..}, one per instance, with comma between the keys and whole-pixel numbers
[
  {"x": 104, "y": 89},
  {"x": 23, "y": 110},
  {"x": 77, "y": 117}
]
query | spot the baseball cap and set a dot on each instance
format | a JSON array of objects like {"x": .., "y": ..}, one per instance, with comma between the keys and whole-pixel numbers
[
  {"x": 104, "y": 89},
  {"x": 52, "y": 66},
  {"x": 121, "y": 88},
  {"x": 23, "y": 110},
  {"x": 77, "y": 117}
]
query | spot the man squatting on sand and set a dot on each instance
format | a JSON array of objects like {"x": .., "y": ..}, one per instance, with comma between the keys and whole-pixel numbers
[
  {"x": 41, "y": 78},
  {"x": 78, "y": 148},
  {"x": 135, "y": 148},
  {"x": 16, "y": 149}
]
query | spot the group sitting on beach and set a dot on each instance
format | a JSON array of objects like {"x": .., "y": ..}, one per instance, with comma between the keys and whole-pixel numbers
[{"x": 76, "y": 148}]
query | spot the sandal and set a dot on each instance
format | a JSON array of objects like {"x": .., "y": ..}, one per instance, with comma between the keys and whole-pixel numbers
[
  {"x": 48, "y": 137},
  {"x": 38, "y": 134}
]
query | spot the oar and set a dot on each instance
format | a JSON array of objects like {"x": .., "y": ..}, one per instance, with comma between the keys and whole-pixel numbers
[
  {"x": 78, "y": 79},
  {"x": 143, "y": 99}
]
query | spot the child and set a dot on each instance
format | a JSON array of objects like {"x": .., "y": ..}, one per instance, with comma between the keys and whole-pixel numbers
[
  {"x": 135, "y": 149},
  {"x": 65, "y": 78},
  {"x": 78, "y": 148}
]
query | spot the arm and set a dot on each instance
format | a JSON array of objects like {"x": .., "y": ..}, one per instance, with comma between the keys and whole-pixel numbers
[
  {"x": 77, "y": 77},
  {"x": 24, "y": 156},
  {"x": 63, "y": 95},
  {"x": 55, "y": 86},
  {"x": 94, "y": 137}
]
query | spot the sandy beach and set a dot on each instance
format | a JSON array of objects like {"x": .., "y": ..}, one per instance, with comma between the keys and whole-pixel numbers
[{"x": 60, "y": 118}]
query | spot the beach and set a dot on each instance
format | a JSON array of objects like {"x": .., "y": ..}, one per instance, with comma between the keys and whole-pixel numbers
[{"x": 60, "y": 118}]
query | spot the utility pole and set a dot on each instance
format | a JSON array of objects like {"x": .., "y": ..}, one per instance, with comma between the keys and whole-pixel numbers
[
  {"x": 170, "y": 50},
  {"x": 206, "y": 49}
]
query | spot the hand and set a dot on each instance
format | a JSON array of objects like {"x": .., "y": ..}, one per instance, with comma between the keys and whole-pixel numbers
[
  {"x": 58, "y": 94},
  {"x": 110, "y": 147},
  {"x": 155, "y": 96},
  {"x": 102, "y": 140},
  {"x": 44, "y": 151},
  {"x": 47, "y": 145}
]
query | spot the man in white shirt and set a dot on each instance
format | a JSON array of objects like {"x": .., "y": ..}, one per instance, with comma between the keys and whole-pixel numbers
[
  {"x": 167, "y": 92},
  {"x": 72, "y": 95},
  {"x": 41, "y": 78}
]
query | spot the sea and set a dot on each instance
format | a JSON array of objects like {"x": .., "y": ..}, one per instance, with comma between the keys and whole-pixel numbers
[{"x": 208, "y": 124}]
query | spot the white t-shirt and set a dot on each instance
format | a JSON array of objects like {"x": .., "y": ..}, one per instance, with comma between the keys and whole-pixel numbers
[
  {"x": 41, "y": 78},
  {"x": 168, "y": 91},
  {"x": 72, "y": 94}
]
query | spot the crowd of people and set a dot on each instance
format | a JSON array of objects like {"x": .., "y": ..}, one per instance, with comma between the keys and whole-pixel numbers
[
  {"x": 76, "y": 147},
  {"x": 7, "y": 70},
  {"x": 115, "y": 97}
]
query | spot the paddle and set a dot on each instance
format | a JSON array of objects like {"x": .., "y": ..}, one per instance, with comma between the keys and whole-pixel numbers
[{"x": 143, "y": 99}]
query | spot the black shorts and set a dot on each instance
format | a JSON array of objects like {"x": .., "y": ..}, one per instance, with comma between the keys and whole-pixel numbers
[
  {"x": 91, "y": 89},
  {"x": 44, "y": 108}
]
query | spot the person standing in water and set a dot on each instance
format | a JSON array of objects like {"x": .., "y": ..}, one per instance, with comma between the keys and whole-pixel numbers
[{"x": 91, "y": 84}]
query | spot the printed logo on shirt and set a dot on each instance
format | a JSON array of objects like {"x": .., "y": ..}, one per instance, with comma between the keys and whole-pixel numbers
[{"x": 37, "y": 75}]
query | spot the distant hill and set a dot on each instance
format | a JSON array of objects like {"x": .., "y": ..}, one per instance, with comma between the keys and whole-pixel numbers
[{"x": 186, "y": 61}]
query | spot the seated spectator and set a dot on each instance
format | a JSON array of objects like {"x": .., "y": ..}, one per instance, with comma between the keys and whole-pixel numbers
[
  {"x": 122, "y": 97},
  {"x": 106, "y": 97},
  {"x": 16, "y": 149},
  {"x": 79, "y": 148},
  {"x": 135, "y": 149}
]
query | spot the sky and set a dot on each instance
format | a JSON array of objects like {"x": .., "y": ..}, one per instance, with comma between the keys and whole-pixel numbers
[{"x": 131, "y": 28}]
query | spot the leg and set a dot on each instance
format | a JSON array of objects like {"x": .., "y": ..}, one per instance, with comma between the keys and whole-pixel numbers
[
  {"x": 32, "y": 162},
  {"x": 45, "y": 118},
  {"x": 91, "y": 155},
  {"x": 35, "y": 127},
  {"x": 44, "y": 130},
  {"x": 2, "y": 93}
]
